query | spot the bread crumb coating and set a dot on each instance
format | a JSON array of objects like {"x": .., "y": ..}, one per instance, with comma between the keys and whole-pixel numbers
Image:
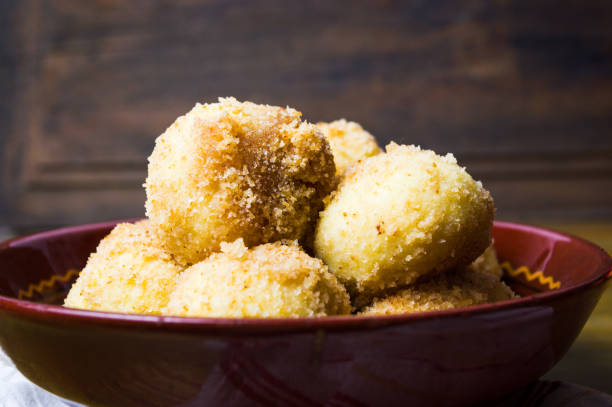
[
  {"x": 270, "y": 280},
  {"x": 400, "y": 215},
  {"x": 487, "y": 263},
  {"x": 231, "y": 170},
  {"x": 129, "y": 272},
  {"x": 444, "y": 291},
  {"x": 349, "y": 143}
]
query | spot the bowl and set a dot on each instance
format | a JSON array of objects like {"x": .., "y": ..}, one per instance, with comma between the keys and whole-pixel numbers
[{"x": 455, "y": 357}]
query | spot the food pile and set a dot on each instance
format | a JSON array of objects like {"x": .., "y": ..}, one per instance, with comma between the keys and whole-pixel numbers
[{"x": 253, "y": 212}]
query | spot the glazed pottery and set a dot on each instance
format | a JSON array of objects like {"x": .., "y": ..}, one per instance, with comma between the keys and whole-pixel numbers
[{"x": 447, "y": 358}]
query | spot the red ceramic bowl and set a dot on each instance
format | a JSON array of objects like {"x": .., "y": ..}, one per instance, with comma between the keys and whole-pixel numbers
[{"x": 455, "y": 357}]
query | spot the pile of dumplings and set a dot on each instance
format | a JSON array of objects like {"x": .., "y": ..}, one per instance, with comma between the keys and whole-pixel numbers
[{"x": 253, "y": 212}]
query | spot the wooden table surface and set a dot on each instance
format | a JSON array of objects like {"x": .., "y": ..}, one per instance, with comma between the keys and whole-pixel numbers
[{"x": 589, "y": 361}]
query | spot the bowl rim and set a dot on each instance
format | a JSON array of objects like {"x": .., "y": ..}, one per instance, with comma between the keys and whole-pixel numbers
[{"x": 58, "y": 315}]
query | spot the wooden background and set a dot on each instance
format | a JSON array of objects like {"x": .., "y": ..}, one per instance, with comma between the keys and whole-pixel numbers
[{"x": 520, "y": 91}]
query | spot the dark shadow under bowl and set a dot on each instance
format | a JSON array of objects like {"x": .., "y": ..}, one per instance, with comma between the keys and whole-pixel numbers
[{"x": 447, "y": 358}]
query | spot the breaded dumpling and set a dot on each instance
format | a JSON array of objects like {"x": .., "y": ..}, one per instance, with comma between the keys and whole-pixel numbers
[
  {"x": 270, "y": 280},
  {"x": 444, "y": 291},
  {"x": 400, "y": 215},
  {"x": 349, "y": 143},
  {"x": 228, "y": 170},
  {"x": 487, "y": 262},
  {"x": 128, "y": 272}
]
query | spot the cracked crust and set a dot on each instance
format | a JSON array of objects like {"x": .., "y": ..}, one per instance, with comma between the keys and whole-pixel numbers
[{"x": 229, "y": 169}]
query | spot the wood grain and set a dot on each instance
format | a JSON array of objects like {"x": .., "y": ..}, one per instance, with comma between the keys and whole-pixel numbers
[{"x": 519, "y": 90}]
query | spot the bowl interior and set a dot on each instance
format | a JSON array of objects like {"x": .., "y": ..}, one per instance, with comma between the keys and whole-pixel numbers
[
  {"x": 537, "y": 260},
  {"x": 42, "y": 267}
]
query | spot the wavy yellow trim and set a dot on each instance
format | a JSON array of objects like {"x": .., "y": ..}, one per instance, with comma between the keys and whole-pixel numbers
[
  {"x": 41, "y": 285},
  {"x": 530, "y": 276}
]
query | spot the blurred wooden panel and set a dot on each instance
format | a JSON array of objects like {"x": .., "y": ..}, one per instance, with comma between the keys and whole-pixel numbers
[{"x": 519, "y": 90}]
